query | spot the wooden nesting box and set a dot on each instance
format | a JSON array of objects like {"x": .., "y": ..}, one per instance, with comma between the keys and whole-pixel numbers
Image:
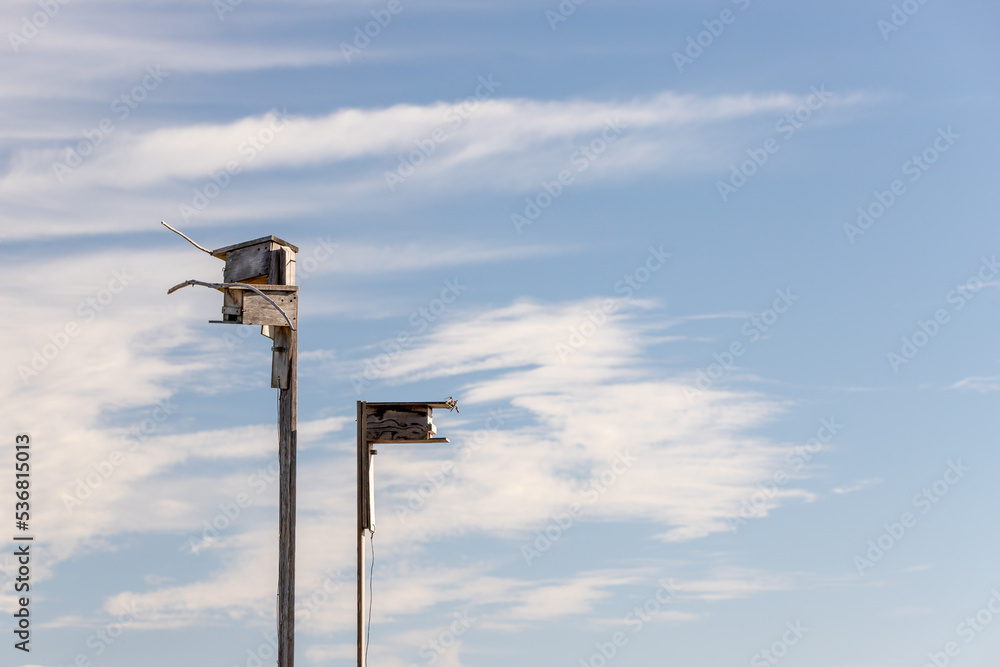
[
  {"x": 241, "y": 305},
  {"x": 401, "y": 422},
  {"x": 267, "y": 263},
  {"x": 264, "y": 261},
  {"x": 390, "y": 424}
]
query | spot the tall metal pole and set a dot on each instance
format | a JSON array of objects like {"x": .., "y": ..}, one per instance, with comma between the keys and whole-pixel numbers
[{"x": 287, "y": 417}]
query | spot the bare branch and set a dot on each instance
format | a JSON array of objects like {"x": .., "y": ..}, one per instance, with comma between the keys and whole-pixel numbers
[
  {"x": 222, "y": 287},
  {"x": 186, "y": 237}
]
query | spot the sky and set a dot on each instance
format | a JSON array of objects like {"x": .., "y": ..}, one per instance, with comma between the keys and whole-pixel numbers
[{"x": 713, "y": 283}]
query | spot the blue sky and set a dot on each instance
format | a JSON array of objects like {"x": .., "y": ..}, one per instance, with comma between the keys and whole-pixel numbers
[{"x": 714, "y": 283}]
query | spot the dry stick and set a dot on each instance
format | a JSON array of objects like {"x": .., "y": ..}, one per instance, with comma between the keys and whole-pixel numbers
[
  {"x": 224, "y": 286},
  {"x": 186, "y": 237}
]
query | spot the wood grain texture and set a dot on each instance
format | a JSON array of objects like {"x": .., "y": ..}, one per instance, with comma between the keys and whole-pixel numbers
[
  {"x": 248, "y": 263},
  {"x": 232, "y": 300},
  {"x": 285, "y": 362},
  {"x": 363, "y": 495},
  {"x": 287, "y": 446},
  {"x": 222, "y": 253},
  {"x": 281, "y": 361},
  {"x": 282, "y": 271},
  {"x": 256, "y": 309},
  {"x": 289, "y": 263},
  {"x": 399, "y": 423}
]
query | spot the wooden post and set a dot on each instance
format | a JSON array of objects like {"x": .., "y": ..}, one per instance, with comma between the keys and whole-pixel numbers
[
  {"x": 270, "y": 263},
  {"x": 363, "y": 495},
  {"x": 394, "y": 423},
  {"x": 287, "y": 418},
  {"x": 284, "y": 376}
]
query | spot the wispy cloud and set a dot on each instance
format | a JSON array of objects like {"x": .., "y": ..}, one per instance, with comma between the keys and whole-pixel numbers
[
  {"x": 577, "y": 417},
  {"x": 504, "y": 145},
  {"x": 857, "y": 486},
  {"x": 603, "y": 399},
  {"x": 358, "y": 259},
  {"x": 980, "y": 383}
]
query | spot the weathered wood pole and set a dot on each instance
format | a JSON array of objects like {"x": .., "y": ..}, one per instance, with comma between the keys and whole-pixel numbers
[
  {"x": 384, "y": 423},
  {"x": 287, "y": 417},
  {"x": 363, "y": 523},
  {"x": 259, "y": 289},
  {"x": 284, "y": 376}
]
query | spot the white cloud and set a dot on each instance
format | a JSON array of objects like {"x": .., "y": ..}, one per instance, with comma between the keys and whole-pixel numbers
[
  {"x": 322, "y": 653},
  {"x": 504, "y": 145},
  {"x": 568, "y": 424},
  {"x": 733, "y": 583},
  {"x": 979, "y": 383},
  {"x": 83, "y": 49},
  {"x": 99, "y": 354},
  {"x": 604, "y": 399},
  {"x": 858, "y": 485},
  {"x": 366, "y": 259},
  {"x": 917, "y": 568},
  {"x": 571, "y": 597}
]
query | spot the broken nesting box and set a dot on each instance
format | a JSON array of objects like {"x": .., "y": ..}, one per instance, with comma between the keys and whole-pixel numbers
[
  {"x": 267, "y": 263},
  {"x": 264, "y": 261},
  {"x": 402, "y": 422},
  {"x": 241, "y": 305}
]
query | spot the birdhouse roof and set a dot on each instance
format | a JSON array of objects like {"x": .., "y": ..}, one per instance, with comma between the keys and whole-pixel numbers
[
  {"x": 442, "y": 405},
  {"x": 221, "y": 252}
]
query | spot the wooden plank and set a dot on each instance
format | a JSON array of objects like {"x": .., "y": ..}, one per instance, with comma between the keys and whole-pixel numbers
[
  {"x": 221, "y": 253},
  {"x": 450, "y": 404},
  {"x": 248, "y": 264},
  {"x": 232, "y": 300},
  {"x": 284, "y": 374},
  {"x": 280, "y": 358},
  {"x": 282, "y": 266},
  {"x": 267, "y": 289},
  {"x": 276, "y": 267},
  {"x": 256, "y": 310},
  {"x": 364, "y": 469},
  {"x": 428, "y": 441},
  {"x": 287, "y": 446},
  {"x": 289, "y": 267},
  {"x": 388, "y": 423},
  {"x": 370, "y": 489},
  {"x": 282, "y": 273}
]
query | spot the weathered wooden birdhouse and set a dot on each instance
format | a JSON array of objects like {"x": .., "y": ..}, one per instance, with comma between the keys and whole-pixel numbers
[
  {"x": 390, "y": 424},
  {"x": 400, "y": 422},
  {"x": 264, "y": 261},
  {"x": 267, "y": 263},
  {"x": 241, "y": 305}
]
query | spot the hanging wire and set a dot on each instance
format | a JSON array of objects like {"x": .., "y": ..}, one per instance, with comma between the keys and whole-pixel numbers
[
  {"x": 371, "y": 579},
  {"x": 371, "y": 589}
]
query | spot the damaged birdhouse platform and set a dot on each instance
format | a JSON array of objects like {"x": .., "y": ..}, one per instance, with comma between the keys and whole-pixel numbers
[
  {"x": 267, "y": 305},
  {"x": 401, "y": 423}
]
